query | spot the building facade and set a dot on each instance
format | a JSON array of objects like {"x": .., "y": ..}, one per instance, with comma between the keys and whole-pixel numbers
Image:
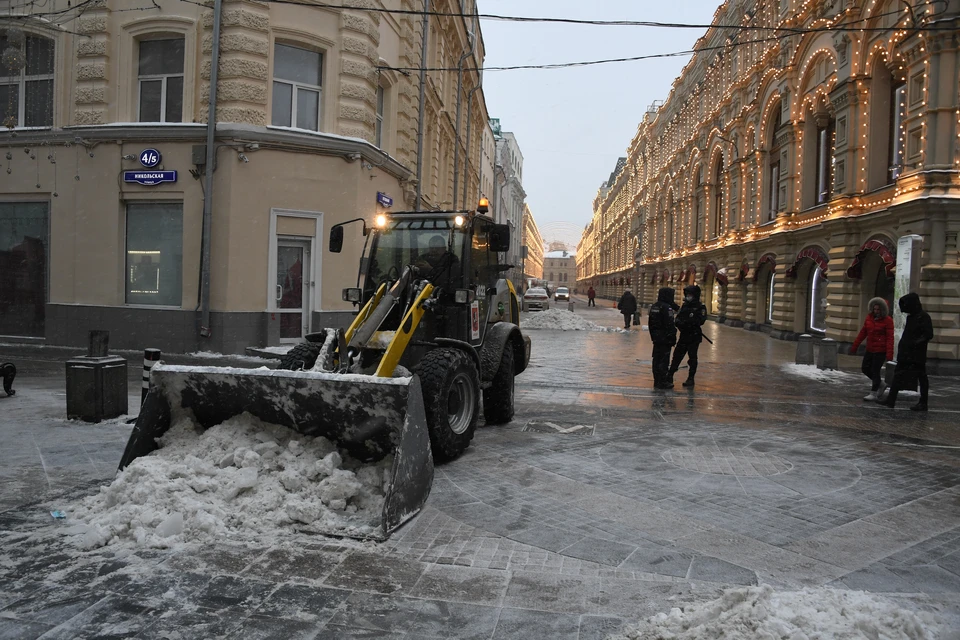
[
  {"x": 102, "y": 221},
  {"x": 780, "y": 174},
  {"x": 532, "y": 260},
  {"x": 510, "y": 197},
  {"x": 560, "y": 269}
]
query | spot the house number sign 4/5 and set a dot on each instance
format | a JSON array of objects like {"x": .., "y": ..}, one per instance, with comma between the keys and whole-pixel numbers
[{"x": 150, "y": 158}]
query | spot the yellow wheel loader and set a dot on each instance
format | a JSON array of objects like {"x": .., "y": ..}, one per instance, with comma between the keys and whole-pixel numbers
[{"x": 437, "y": 329}]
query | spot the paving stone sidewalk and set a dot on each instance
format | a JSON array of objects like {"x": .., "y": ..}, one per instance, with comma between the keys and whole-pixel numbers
[{"x": 602, "y": 502}]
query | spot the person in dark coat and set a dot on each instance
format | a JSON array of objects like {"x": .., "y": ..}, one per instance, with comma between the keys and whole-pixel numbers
[
  {"x": 912, "y": 352},
  {"x": 627, "y": 306},
  {"x": 878, "y": 332},
  {"x": 591, "y": 295},
  {"x": 663, "y": 332},
  {"x": 690, "y": 319}
]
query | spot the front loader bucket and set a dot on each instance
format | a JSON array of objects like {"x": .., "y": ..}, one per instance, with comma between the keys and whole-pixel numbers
[{"x": 369, "y": 417}]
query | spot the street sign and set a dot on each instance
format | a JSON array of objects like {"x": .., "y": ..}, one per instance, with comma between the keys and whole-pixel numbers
[
  {"x": 384, "y": 199},
  {"x": 149, "y": 178},
  {"x": 150, "y": 158}
]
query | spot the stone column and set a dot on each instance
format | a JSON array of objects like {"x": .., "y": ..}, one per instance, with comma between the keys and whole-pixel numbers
[
  {"x": 93, "y": 56},
  {"x": 244, "y": 63},
  {"x": 843, "y": 293},
  {"x": 847, "y": 167}
]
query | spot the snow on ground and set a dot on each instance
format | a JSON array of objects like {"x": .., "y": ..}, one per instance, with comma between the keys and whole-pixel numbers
[
  {"x": 761, "y": 612},
  {"x": 213, "y": 355},
  {"x": 811, "y": 372},
  {"x": 281, "y": 350},
  {"x": 244, "y": 480},
  {"x": 560, "y": 320}
]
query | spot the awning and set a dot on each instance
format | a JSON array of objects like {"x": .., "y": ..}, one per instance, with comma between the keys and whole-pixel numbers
[
  {"x": 813, "y": 252},
  {"x": 887, "y": 255},
  {"x": 767, "y": 258}
]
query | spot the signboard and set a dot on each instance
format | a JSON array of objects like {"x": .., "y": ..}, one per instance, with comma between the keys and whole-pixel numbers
[
  {"x": 906, "y": 279},
  {"x": 384, "y": 199},
  {"x": 475, "y": 320},
  {"x": 150, "y": 158},
  {"x": 149, "y": 178}
]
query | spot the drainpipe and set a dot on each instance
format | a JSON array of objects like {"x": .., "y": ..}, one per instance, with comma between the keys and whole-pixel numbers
[
  {"x": 423, "y": 83},
  {"x": 206, "y": 238},
  {"x": 471, "y": 36}
]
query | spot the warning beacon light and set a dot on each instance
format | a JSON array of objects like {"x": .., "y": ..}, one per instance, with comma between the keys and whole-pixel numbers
[{"x": 483, "y": 206}]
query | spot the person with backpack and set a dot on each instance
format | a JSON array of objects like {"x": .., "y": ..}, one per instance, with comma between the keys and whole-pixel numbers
[
  {"x": 690, "y": 319},
  {"x": 663, "y": 331},
  {"x": 912, "y": 353},
  {"x": 627, "y": 306},
  {"x": 878, "y": 332}
]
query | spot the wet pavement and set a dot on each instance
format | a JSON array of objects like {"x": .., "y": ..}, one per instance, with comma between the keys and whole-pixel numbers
[{"x": 604, "y": 501}]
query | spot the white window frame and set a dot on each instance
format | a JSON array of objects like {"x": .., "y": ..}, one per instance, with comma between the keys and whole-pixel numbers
[
  {"x": 297, "y": 86},
  {"x": 163, "y": 81},
  {"x": 316, "y": 257},
  {"x": 381, "y": 107},
  {"x": 20, "y": 81}
]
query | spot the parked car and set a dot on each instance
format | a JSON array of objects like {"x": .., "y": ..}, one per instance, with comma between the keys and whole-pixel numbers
[
  {"x": 562, "y": 293},
  {"x": 536, "y": 299}
]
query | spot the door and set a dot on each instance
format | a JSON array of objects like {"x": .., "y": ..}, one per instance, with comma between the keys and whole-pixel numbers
[
  {"x": 294, "y": 273},
  {"x": 24, "y": 230}
]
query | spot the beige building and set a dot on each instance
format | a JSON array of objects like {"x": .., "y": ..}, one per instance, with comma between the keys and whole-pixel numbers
[
  {"x": 779, "y": 174},
  {"x": 317, "y": 109},
  {"x": 560, "y": 269},
  {"x": 533, "y": 244}
]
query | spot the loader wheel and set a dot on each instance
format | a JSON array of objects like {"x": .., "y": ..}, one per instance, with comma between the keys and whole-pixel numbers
[
  {"x": 451, "y": 398},
  {"x": 302, "y": 357},
  {"x": 498, "y": 398}
]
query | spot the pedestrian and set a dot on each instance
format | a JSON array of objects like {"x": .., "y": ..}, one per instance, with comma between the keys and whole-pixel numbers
[
  {"x": 878, "y": 332},
  {"x": 591, "y": 294},
  {"x": 690, "y": 319},
  {"x": 627, "y": 306},
  {"x": 912, "y": 353},
  {"x": 663, "y": 332}
]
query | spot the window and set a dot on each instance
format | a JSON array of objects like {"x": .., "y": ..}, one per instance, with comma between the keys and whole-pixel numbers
[
  {"x": 698, "y": 212},
  {"x": 915, "y": 142},
  {"x": 916, "y": 89},
  {"x": 824, "y": 179},
  {"x": 26, "y": 80},
  {"x": 817, "y": 300},
  {"x": 24, "y": 228},
  {"x": 771, "y": 287},
  {"x": 154, "y": 269},
  {"x": 297, "y": 77},
  {"x": 898, "y": 113},
  {"x": 379, "y": 126},
  {"x": 160, "y": 78},
  {"x": 718, "y": 198},
  {"x": 774, "y": 175}
]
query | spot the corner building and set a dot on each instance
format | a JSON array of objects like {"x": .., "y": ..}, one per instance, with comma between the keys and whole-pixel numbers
[
  {"x": 780, "y": 172},
  {"x": 316, "y": 124}
]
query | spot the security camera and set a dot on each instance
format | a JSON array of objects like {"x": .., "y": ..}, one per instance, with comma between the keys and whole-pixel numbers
[{"x": 241, "y": 156}]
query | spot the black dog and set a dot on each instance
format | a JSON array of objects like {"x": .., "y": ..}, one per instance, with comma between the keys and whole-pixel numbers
[{"x": 9, "y": 373}]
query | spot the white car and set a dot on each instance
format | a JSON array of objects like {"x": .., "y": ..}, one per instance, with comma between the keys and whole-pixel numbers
[
  {"x": 536, "y": 299},
  {"x": 562, "y": 293}
]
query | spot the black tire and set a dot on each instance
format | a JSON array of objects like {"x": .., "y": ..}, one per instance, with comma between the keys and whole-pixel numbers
[
  {"x": 302, "y": 357},
  {"x": 451, "y": 399},
  {"x": 498, "y": 397}
]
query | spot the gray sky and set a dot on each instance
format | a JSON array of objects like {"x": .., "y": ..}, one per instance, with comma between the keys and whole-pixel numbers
[{"x": 573, "y": 124}]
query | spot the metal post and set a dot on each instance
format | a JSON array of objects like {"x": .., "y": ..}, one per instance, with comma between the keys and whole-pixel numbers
[
  {"x": 150, "y": 358},
  {"x": 423, "y": 83},
  {"x": 206, "y": 239}
]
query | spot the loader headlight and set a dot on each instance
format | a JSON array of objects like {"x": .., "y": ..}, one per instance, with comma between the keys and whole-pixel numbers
[
  {"x": 352, "y": 295},
  {"x": 381, "y": 220},
  {"x": 461, "y": 296},
  {"x": 458, "y": 221}
]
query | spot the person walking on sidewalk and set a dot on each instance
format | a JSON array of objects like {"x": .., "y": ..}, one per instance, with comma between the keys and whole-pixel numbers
[
  {"x": 912, "y": 352},
  {"x": 663, "y": 332},
  {"x": 627, "y": 306},
  {"x": 690, "y": 319},
  {"x": 591, "y": 295},
  {"x": 878, "y": 332}
]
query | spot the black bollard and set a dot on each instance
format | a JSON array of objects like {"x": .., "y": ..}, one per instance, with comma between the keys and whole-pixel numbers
[{"x": 150, "y": 358}]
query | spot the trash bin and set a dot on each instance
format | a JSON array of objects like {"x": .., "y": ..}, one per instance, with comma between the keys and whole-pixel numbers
[
  {"x": 827, "y": 354},
  {"x": 805, "y": 349},
  {"x": 570, "y": 306},
  {"x": 96, "y": 383}
]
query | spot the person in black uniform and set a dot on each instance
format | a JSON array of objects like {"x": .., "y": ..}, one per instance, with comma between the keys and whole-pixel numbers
[
  {"x": 663, "y": 332},
  {"x": 912, "y": 353},
  {"x": 690, "y": 319},
  {"x": 627, "y": 306}
]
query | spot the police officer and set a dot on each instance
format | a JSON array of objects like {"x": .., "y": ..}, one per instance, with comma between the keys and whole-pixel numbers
[
  {"x": 690, "y": 319},
  {"x": 663, "y": 332}
]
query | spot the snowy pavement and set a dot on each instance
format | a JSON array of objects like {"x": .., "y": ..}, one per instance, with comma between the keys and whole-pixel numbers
[{"x": 604, "y": 509}]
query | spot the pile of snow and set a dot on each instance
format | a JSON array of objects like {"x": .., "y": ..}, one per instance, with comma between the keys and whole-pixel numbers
[
  {"x": 811, "y": 372},
  {"x": 244, "y": 479},
  {"x": 561, "y": 320},
  {"x": 213, "y": 355},
  {"x": 760, "y": 612}
]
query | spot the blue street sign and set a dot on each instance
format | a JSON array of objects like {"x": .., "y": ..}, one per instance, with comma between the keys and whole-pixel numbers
[
  {"x": 150, "y": 158},
  {"x": 149, "y": 178},
  {"x": 384, "y": 199}
]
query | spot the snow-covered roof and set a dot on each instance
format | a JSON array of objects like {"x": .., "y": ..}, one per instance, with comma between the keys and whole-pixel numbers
[{"x": 560, "y": 254}]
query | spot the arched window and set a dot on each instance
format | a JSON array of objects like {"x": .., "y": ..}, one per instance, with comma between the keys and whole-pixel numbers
[
  {"x": 826, "y": 127},
  {"x": 698, "y": 206},
  {"x": 718, "y": 197},
  {"x": 888, "y": 106},
  {"x": 774, "y": 175},
  {"x": 26, "y": 79}
]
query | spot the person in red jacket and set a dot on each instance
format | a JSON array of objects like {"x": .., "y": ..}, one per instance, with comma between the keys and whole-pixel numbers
[{"x": 878, "y": 331}]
